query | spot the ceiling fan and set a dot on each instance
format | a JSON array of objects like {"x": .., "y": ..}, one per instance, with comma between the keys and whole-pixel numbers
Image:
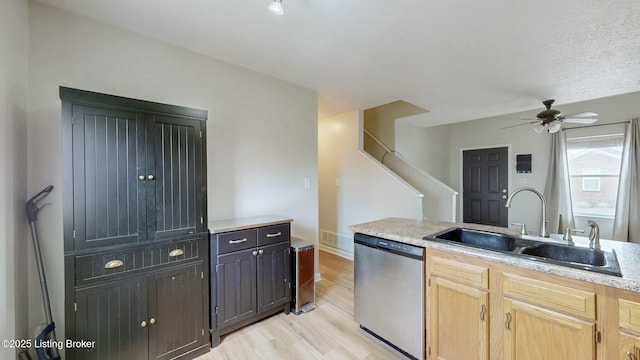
[{"x": 552, "y": 119}]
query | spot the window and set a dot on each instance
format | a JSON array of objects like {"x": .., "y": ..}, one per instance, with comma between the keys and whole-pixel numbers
[
  {"x": 590, "y": 183},
  {"x": 594, "y": 171}
]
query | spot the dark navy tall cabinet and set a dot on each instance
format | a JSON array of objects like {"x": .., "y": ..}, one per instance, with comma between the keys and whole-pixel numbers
[{"x": 135, "y": 241}]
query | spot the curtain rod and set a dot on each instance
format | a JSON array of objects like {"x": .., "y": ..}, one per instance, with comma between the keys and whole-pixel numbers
[{"x": 588, "y": 126}]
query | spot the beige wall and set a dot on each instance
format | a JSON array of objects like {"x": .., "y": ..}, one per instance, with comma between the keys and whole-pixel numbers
[
  {"x": 261, "y": 133},
  {"x": 354, "y": 188},
  {"x": 425, "y": 148},
  {"x": 14, "y": 39}
]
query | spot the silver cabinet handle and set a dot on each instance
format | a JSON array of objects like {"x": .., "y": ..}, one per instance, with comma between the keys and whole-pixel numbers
[
  {"x": 142, "y": 177},
  {"x": 150, "y": 177},
  {"x": 274, "y": 235},
  {"x": 143, "y": 324},
  {"x": 507, "y": 321},
  {"x": 113, "y": 264},
  {"x": 629, "y": 356},
  {"x": 176, "y": 252},
  {"x": 483, "y": 310},
  {"x": 239, "y": 241},
  {"x": 152, "y": 321},
  {"x": 260, "y": 252},
  {"x": 254, "y": 253}
]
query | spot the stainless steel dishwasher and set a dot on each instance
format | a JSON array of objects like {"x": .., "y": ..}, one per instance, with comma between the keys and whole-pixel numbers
[{"x": 389, "y": 292}]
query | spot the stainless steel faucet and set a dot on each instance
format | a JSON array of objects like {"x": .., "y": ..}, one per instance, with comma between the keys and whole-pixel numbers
[
  {"x": 594, "y": 235},
  {"x": 543, "y": 227}
]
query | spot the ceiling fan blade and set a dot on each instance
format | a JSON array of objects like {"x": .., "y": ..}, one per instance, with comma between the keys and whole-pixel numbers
[
  {"x": 581, "y": 115},
  {"x": 527, "y": 123},
  {"x": 579, "y": 120}
]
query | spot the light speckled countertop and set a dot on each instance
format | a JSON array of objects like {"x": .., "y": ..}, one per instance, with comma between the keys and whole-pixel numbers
[
  {"x": 220, "y": 226},
  {"x": 411, "y": 232}
]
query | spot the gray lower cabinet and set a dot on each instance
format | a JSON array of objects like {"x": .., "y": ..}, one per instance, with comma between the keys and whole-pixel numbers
[{"x": 250, "y": 277}]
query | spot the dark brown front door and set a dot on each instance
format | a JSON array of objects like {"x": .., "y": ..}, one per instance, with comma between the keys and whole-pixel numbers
[{"x": 485, "y": 178}]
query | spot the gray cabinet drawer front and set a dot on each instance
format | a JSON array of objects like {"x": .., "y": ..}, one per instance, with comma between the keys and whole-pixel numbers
[
  {"x": 236, "y": 240},
  {"x": 273, "y": 234},
  {"x": 111, "y": 264}
]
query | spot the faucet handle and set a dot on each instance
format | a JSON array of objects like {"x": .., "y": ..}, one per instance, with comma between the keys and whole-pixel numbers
[
  {"x": 523, "y": 228},
  {"x": 567, "y": 235}
]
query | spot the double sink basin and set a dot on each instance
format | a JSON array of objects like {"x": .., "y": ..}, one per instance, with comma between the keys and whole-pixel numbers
[{"x": 596, "y": 260}]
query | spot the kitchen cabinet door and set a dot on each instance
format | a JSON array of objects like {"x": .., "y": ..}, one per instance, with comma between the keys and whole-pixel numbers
[
  {"x": 273, "y": 276},
  {"x": 108, "y": 198},
  {"x": 236, "y": 275},
  {"x": 176, "y": 312},
  {"x": 532, "y": 332},
  {"x": 174, "y": 176},
  {"x": 114, "y": 317},
  {"x": 629, "y": 347},
  {"x": 459, "y": 317}
]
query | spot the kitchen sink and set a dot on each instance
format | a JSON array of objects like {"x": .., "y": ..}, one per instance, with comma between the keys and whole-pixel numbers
[
  {"x": 483, "y": 239},
  {"x": 573, "y": 254},
  {"x": 601, "y": 261}
]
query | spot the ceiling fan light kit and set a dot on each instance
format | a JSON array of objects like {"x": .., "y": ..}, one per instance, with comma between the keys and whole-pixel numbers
[
  {"x": 276, "y": 7},
  {"x": 552, "y": 119}
]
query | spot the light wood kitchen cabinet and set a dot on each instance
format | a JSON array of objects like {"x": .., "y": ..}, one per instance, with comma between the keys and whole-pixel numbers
[
  {"x": 459, "y": 308},
  {"x": 629, "y": 323},
  {"x": 532, "y": 332},
  {"x": 547, "y": 321},
  {"x": 480, "y": 310}
]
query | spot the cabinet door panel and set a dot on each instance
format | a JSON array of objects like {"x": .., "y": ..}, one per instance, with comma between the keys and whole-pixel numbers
[
  {"x": 532, "y": 333},
  {"x": 176, "y": 166},
  {"x": 629, "y": 347},
  {"x": 236, "y": 273},
  {"x": 111, "y": 315},
  {"x": 176, "y": 306},
  {"x": 273, "y": 276},
  {"x": 459, "y": 321},
  {"x": 107, "y": 195}
]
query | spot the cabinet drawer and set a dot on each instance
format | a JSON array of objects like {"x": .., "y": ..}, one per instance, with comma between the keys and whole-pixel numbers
[
  {"x": 629, "y": 315},
  {"x": 236, "y": 240},
  {"x": 273, "y": 234},
  {"x": 464, "y": 273},
  {"x": 551, "y": 296},
  {"x": 110, "y": 264}
]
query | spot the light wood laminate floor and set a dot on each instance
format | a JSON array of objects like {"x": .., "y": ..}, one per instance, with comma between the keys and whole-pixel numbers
[{"x": 326, "y": 332}]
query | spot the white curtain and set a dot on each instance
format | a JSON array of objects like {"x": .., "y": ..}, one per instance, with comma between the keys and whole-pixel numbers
[
  {"x": 557, "y": 190},
  {"x": 626, "y": 225}
]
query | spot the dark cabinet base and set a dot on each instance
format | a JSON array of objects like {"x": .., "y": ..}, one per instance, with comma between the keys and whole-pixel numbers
[
  {"x": 250, "y": 276},
  {"x": 216, "y": 336}
]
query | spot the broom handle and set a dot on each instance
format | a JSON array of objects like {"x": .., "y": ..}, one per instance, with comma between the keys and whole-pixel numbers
[{"x": 43, "y": 279}]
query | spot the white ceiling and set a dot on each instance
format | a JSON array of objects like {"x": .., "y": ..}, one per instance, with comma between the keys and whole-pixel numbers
[{"x": 460, "y": 59}]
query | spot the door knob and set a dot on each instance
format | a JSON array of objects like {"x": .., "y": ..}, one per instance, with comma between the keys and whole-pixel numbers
[
  {"x": 254, "y": 253},
  {"x": 143, "y": 324},
  {"x": 260, "y": 251},
  {"x": 150, "y": 177},
  {"x": 142, "y": 177},
  {"x": 152, "y": 321}
]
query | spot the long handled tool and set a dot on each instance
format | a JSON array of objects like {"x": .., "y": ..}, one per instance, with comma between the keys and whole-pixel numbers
[{"x": 47, "y": 335}]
